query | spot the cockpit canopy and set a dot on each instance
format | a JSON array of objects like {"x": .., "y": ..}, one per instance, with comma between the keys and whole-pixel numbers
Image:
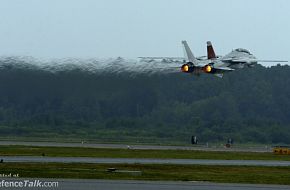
[{"x": 243, "y": 50}]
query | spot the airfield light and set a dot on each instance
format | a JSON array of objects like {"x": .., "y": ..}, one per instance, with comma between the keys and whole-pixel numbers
[{"x": 208, "y": 68}]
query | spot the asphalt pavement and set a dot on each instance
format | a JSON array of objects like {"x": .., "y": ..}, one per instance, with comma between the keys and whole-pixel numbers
[{"x": 140, "y": 147}]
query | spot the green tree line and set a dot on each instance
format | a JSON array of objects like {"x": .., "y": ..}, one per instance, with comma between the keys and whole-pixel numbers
[{"x": 249, "y": 105}]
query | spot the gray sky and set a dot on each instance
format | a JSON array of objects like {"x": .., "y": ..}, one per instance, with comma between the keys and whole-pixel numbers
[{"x": 132, "y": 28}]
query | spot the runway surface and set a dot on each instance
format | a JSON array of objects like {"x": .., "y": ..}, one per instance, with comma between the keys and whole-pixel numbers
[
  {"x": 40, "y": 159},
  {"x": 76, "y": 184},
  {"x": 141, "y": 147}
]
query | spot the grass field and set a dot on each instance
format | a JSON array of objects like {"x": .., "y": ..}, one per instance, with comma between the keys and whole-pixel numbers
[
  {"x": 131, "y": 153},
  {"x": 223, "y": 174}
]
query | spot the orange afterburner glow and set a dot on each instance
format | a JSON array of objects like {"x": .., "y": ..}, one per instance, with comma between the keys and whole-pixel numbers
[
  {"x": 185, "y": 68},
  {"x": 207, "y": 69}
]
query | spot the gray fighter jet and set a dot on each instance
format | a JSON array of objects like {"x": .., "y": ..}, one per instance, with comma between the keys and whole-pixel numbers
[
  {"x": 213, "y": 64},
  {"x": 218, "y": 65}
]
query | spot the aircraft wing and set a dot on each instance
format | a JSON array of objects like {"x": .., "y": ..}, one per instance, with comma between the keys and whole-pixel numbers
[
  {"x": 281, "y": 61},
  {"x": 188, "y": 55},
  {"x": 251, "y": 60},
  {"x": 172, "y": 58}
]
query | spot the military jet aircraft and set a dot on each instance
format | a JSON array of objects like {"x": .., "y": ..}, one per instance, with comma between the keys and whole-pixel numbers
[{"x": 213, "y": 64}]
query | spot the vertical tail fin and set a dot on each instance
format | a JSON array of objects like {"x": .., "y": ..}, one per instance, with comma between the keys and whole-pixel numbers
[
  {"x": 189, "y": 55},
  {"x": 210, "y": 51}
]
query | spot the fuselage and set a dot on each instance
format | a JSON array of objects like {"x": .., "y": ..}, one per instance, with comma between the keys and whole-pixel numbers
[{"x": 239, "y": 58}]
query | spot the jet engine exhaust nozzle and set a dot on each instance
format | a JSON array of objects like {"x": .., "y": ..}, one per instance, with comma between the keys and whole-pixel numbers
[
  {"x": 187, "y": 68},
  {"x": 208, "y": 69}
]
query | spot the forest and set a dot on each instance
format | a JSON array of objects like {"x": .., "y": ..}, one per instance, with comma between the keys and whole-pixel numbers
[{"x": 250, "y": 105}]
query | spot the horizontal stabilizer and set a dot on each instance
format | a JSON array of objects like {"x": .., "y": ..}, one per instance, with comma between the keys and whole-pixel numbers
[
  {"x": 220, "y": 75},
  {"x": 224, "y": 69}
]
